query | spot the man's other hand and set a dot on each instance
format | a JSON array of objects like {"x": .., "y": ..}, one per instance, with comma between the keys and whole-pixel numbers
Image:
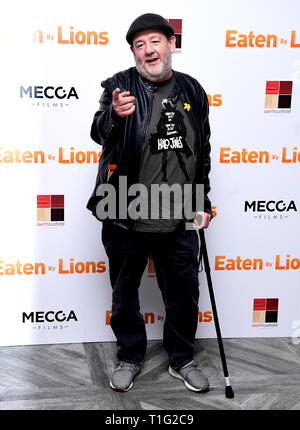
[{"x": 201, "y": 220}]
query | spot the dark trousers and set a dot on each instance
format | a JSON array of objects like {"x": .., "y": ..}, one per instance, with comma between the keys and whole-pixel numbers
[{"x": 175, "y": 257}]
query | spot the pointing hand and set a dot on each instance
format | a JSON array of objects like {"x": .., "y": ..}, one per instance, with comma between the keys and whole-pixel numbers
[{"x": 123, "y": 103}]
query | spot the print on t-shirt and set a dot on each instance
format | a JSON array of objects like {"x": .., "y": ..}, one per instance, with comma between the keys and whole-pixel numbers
[{"x": 170, "y": 136}]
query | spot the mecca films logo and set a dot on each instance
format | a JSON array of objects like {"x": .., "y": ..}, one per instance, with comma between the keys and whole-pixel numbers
[
  {"x": 49, "y": 320},
  {"x": 278, "y": 97},
  {"x": 48, "y": 96},
  {"x": 270, "y": 210}
]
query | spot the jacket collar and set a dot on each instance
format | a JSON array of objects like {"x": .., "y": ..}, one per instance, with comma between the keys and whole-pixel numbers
[{"x": 150, "y": 86}]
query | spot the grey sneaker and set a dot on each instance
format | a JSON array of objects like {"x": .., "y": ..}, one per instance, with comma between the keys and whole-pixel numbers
[
  {"x": 123, "y": 376},
  {"x": 192, "y": 377}
]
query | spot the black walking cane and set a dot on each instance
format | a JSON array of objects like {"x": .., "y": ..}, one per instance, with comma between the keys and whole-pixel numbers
[{"x": 203, "y": 253}]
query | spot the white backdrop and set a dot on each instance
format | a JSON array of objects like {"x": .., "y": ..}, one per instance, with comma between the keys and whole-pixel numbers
[{"x": 53, "y": 269}]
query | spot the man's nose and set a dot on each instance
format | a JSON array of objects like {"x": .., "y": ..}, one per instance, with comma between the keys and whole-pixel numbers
[{"x": 149, "y": 49}]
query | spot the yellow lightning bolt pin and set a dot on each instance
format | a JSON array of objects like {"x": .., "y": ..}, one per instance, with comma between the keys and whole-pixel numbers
[{"x": 187, "y": 106}]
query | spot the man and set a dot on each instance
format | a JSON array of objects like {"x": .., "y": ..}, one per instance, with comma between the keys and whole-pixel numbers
[{"x": 153, "y": 127}]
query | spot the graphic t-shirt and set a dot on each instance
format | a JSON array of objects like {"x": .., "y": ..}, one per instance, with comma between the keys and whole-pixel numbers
[{"x": 168, "y": 160}]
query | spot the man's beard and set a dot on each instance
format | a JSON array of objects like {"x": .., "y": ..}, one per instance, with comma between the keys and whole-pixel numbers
[{"x": 158, "y": 75}]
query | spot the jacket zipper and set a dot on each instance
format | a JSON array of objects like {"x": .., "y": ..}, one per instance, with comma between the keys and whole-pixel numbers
[{"x": 143, "y": 141}]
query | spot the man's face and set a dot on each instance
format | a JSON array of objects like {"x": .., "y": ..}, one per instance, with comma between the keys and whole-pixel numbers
[{"x": 152, "y": 52}]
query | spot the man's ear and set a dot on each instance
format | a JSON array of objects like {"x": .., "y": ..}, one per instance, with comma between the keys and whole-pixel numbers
[
  {"x": 132, "y": 50},
  {"x": 172, "y": 43}
]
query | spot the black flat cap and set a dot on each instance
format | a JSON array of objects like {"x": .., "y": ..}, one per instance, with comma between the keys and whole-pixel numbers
[{"x": 149, "y": 21}]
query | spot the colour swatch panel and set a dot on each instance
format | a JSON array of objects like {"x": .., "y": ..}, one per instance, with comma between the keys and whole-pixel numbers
[
  {"x": 278, "y": 95},
  {"x": 265, "y": 310},
  {"x": 177, "y": 25},
  {"x": 50, "y": 208}
]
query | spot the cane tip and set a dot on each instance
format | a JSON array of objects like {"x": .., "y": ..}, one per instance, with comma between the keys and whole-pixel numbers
[{"x": 229, "y": 392}]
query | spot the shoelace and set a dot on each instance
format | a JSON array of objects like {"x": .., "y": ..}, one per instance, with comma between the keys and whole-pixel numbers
[
  {"x": 129, "y": 366},
  {"x": 190, "y": 368}
]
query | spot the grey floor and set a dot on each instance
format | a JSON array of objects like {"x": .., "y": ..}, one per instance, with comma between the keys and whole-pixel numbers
[{"x": 264, "y": 372}]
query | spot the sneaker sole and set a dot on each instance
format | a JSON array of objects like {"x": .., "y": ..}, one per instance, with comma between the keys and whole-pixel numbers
[
  {"x": 119, "y": 388},
  {"x": 190, "y": 387}
]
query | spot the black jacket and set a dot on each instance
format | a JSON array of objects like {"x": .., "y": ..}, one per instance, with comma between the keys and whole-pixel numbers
[{"x": 122, "y": 140}]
